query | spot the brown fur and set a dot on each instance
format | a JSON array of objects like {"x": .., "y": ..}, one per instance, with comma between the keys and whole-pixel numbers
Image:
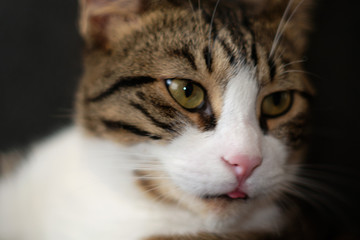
[
  {"x": 132, "y": 47},
  {"x": 152, "y": 188},
  {"x": 9, "y": 162},
  {"x": 204, "y": 236},
  {"x": 152, "y": 54},
  {"x": 296, "y": 229}
]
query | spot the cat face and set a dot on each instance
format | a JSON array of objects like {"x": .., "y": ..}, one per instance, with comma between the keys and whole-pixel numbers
[{"x": 213, "y": 92}]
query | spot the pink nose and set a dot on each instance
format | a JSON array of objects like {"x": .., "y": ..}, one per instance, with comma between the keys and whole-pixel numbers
[{"x": 242, "y": 165}]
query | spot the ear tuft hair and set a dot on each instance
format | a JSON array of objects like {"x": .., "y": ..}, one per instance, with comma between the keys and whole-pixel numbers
[{"x": 96, "y": 15}]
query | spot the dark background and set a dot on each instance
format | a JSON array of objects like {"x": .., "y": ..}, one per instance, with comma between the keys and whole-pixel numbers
[{"x": 40, "y": 62}]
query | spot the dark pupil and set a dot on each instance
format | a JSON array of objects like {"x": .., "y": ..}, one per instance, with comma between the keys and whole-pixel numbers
[
  {"x": 188, "y": 89},
  {"x": 277, "y": 97}
]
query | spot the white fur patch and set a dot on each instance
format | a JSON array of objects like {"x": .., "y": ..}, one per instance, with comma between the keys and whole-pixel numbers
[
  {"x": 75, "y": 188},
  {"x": 194, "y": 159}
]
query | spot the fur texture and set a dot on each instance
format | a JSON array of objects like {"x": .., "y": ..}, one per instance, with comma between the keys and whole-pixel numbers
[{"x": 138, "y": 165}]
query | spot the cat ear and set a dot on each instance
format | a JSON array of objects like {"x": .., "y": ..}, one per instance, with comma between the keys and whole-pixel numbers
[{"x": 97, "y": 16}]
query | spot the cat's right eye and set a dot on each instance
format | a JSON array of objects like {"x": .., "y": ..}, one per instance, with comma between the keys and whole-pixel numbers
[
  {"x": 188, "y": 94},
  {"x": 277, "y": 104}
]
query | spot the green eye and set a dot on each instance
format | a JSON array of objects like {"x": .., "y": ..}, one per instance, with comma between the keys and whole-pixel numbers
[
  {"x": 277, "y": 104},
  {"x": 187, "y": 93}
]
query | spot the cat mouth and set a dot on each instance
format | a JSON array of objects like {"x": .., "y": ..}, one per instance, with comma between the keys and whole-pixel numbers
[{"x": 232, "y": 196}]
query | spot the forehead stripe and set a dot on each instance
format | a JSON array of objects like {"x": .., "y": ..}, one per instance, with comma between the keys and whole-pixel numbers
[
  {"x": 186, "y": 54},
  {"x": 250, "y": 32},
  {"x": 123, "y": 82},
  {"x": 272, "y": 68},
  {"x": 254, "y": 56},
  {"x": 229, "y": 51},
  {"x": 208, "y": 59}
]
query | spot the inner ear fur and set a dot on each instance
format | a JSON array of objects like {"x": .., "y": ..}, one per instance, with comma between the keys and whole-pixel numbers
[{"x": 97, "y": 16}]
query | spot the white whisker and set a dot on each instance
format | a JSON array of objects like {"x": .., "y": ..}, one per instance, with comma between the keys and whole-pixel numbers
[
  {"x": 151, "y": 189},
  {"x": 293, "y": 62},
  {"x": 320, "y": 195},
  {"x": 153, "y": 177},
  {"x": 319, "y": 188},
  {"x": 200, "y": 18},
  {"x": 131, "y": 154},
  {"x": 300, "y": 71},
  {"x": 278, "y": 56},
  {"x": 212, "y": 23},
  {"x": 283, "y": 24},
  {"x": 191, "y": 6}
]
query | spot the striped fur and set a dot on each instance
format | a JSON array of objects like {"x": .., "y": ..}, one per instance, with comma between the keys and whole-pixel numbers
[
  {"x": 123, "y": 97},
  {"x": 239, "y": 52},
  {"x": 173, "y": 41}
]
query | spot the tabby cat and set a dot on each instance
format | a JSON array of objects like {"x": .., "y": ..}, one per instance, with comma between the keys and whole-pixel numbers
[{"x": 191, "y": 119}]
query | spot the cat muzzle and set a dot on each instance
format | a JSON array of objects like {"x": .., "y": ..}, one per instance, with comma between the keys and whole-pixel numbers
[{"x": 242, "y": 166}]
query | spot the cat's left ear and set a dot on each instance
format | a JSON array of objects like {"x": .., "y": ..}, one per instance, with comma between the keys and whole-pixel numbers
[{"x": 98, "y": 16}]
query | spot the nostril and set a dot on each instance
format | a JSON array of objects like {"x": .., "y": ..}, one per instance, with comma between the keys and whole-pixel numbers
[
  {"x": 239, "y": 170},
  {"x": 242, "y": 165}
]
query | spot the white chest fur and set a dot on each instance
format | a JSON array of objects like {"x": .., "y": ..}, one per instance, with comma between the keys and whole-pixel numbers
[
  {"x": 73, "y": 188},
  {"x": 63, "y": 192}
]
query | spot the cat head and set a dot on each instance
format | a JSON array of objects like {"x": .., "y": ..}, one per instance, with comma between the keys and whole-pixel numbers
[{"x": 214, "y": 90}]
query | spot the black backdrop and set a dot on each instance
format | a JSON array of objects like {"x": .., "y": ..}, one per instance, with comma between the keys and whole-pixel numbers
[{"x": 40, "y": 62}]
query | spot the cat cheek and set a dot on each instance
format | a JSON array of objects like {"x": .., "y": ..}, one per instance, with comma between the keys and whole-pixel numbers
[
  {"x": 195, "y": 166},
  {"x": 206, "y": 164},
  {"x": 271, "y": 174}
]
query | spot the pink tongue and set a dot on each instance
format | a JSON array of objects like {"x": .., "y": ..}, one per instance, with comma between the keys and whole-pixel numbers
[{"x": 237, "y": 194}]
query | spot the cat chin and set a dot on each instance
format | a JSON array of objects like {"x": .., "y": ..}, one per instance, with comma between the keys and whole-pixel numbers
[
  {"x": 227, "y": 215},
  {"x": 219, "y": 210}
]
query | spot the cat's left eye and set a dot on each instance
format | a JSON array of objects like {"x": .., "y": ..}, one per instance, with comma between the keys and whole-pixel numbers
[
  {"x": 277, "y": 104},
  {"x": 188, "y": 94}
]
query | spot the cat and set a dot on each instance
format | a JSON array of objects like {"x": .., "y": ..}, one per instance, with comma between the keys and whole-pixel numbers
[{"x": 192, "y": 117}]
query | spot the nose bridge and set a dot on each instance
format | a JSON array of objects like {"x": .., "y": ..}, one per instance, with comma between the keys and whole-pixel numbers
[
  {"x": 238, "y": 127},
  {"x": 243, "y": 137},
  {"x": 241, "y": 132}
]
